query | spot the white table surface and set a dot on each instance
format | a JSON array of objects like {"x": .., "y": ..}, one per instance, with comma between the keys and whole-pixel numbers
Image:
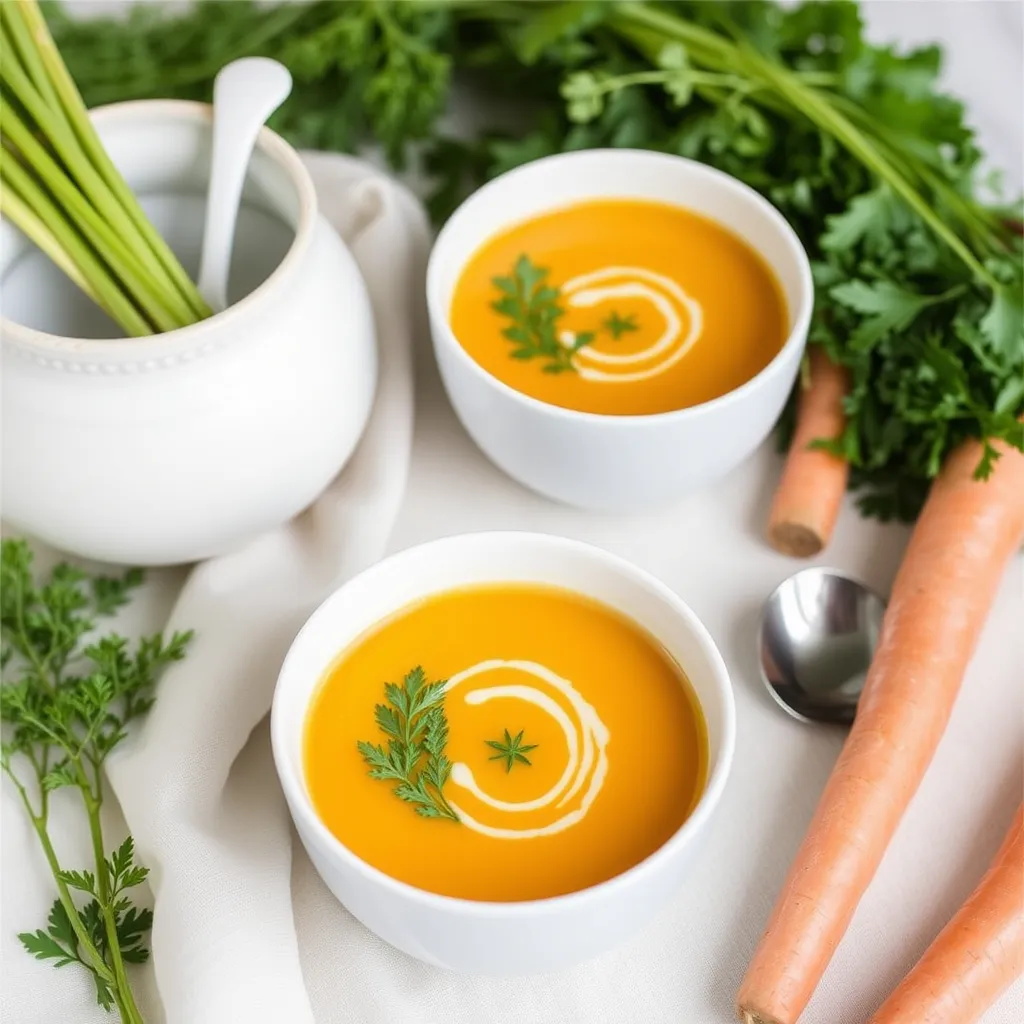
[{"x": 709, "y": 549}]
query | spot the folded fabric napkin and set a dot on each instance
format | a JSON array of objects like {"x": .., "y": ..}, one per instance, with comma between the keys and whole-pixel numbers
[{"x": 197, "y": 784}]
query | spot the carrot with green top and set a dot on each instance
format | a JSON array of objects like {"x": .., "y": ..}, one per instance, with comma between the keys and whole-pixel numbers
[{"x": 967, "y": 532}]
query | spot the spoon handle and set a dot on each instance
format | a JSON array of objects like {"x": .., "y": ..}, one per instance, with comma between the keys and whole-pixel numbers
[{"x": 245, "y": 93}]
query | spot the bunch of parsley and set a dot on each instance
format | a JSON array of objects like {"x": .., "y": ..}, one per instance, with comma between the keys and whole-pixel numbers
[
  {"x": 66, "y": 702},
  {"x": 920, "y": 286},
  {"x": 362, "y": 70}
]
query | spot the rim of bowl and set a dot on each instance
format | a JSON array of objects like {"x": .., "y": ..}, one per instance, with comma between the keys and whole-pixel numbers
[
  {"x": 275, "y": 147},
  {"x": 292, "y": 782},
  {"x": 797, "y": 331}
]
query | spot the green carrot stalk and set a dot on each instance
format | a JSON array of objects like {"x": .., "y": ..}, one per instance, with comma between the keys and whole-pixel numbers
[
  {"x": 95, "y": 229},
  {"x": 75, "y": 112},
  {"x": 35, "y": 229},
  {"x": 112, "y": 299},
  {"x": 93, "y": 188},
  {"x": 715, "y": 52},
  {"x": 91, "y": 956},
  {"x": 134, "y": 279},
  {"x": 19, "y": 46},
  {"x": 826, "y": 117},
  {"x": 66, "y": 174}
]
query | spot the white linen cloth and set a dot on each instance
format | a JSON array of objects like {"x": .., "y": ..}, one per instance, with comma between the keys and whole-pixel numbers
[
  {"x": 206, "y": 812},
  {"x": 246, "y": 932}
]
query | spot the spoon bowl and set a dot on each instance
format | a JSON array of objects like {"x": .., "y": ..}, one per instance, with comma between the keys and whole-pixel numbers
[{"x": 818, "y": 633}]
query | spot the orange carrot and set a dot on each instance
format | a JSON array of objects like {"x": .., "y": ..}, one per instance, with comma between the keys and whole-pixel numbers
[
  {"x": 810, "y": 493},
  {"x": 976, "y": 955},
  {"x": 960, "y": 546}
]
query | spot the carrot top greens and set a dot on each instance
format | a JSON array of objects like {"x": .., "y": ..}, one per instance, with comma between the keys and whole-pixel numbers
[{"x": 919, "y": 283}]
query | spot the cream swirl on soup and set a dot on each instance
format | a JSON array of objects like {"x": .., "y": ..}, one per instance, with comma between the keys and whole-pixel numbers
[{"x": 586, "y": 741}]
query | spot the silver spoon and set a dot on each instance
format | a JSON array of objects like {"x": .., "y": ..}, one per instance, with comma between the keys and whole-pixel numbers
[
  {"x": 818, "y": 632},
  {"x": 245, "y": 93}
]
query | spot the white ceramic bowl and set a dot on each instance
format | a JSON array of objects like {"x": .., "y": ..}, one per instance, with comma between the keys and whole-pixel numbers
[
  {"x": 616, "y": 462},
  {"x": 481, "y": 937},
  {"x": 185, "y": 444}
]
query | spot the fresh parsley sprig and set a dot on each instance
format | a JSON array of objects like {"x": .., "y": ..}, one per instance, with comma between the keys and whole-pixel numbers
[
  {"x": 66, "y": 708},
  {"x": 414, "y": 722},
  {"x": 511, "y": 749},
  {"x": 533, "y": 307}
]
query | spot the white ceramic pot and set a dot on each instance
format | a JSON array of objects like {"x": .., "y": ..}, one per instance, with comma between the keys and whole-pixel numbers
[
  {"x": 500, "y": 938},
  {"x": 616, "y": 462},
  {"x": 186, "y": 444}
]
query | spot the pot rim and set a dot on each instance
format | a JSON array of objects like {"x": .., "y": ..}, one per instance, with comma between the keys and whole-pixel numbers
[{"x": 169, "y": 343}]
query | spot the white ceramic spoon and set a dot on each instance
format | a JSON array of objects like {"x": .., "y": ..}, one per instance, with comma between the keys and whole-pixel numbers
[{"x": 245, "y": 93}]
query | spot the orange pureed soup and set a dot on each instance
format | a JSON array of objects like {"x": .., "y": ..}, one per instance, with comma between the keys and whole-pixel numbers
[
  {"x": 574, "y": 745},
  {"x": 619, "y": 306}
]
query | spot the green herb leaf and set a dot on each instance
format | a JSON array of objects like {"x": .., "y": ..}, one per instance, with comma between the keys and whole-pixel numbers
[
  {"x": 83, "y": 880},
  {"x": 417, "y": 732},
  {"x": 1003, "y": 324},
  {"x": 533, "y": 306},
  {"x": 867, "y": 217},
  {"x": 617, "y": 325},
  {"x": 59, "y": 926},
  {"x": 133, "y": 925},
  {"x": 555, "y": 23},
  {"x": 679, "y": 80},
  {"x": 62, "y": 774},
  {"x": 511, "y": 750},
  {"x": 57, "y": 943},
  {"x": 584, "y": 96},
  {"x": 44, "y": 947},
  {"x": 888, "y": 307}
]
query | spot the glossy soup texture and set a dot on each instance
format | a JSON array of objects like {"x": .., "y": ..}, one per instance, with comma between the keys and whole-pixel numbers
[
  {"x": 668, "y": 308},
  {"x": 618, "y": 758}
]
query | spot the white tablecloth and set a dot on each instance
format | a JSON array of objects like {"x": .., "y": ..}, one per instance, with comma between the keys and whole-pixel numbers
[{"x": 687, "y": 965}]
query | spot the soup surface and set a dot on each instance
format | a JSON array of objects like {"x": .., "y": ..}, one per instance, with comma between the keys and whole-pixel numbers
[
  {"x": 577, "y": 747},
  {"x": 621, "y": 307}
]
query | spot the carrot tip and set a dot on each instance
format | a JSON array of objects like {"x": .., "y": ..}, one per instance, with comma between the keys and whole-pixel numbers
[{"x": 795, "y": 540}]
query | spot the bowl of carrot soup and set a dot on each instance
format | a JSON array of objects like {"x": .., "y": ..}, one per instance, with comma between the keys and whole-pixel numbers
[
  {"x": 616, "y": 328},
  {"x": 501, "y": 751}
]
